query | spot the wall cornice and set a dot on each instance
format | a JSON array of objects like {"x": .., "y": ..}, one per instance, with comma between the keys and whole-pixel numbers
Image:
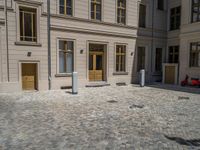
[
  {"x": 95, "y": 32},
  {"x": 90, "y": 21},
  {"x": 29, "y": 2}
]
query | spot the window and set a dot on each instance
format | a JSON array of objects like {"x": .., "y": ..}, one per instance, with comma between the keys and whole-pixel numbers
[
  {"x": 121, "y": 11},
  {"x": 142, "y": 16},
  {"x": 96, "y": 9},
  {"x": 66, "y": 7},
  {"x": 120, "y": 58},
  {"x": 140, "y": 58},
  {"x": 195, "y": 54},
  {"x": 158, "y": 61},
  {"x": 175, "y": 18},
  {"x": 160, "y": 4},
  {"x": 173, "y": 54},
  {"x": 195, "y": 10},
  {"x": 28, "y": 24},
  {"x": 66, "y": 49}
]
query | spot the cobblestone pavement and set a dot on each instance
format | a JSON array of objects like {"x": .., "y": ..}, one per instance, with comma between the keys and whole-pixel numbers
[{"x": 107, "y": 118}]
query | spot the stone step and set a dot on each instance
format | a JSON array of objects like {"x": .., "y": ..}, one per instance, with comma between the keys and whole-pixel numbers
[{"x": 97, "y": 84}]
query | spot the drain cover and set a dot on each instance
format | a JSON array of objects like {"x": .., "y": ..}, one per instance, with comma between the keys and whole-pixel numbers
[
  {"x": 136, "y": 106},
  {"x": 112, "y": 101}
]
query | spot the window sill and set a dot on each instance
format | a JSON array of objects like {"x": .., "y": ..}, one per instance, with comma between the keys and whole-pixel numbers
[
  {"x": 120, "y": 73},
  {"x": 194, "y": 68},
  {"x": 22, "y": 43},
  {"x": 161, "y": 10},
  {"x": 63, "y": 75},
  {"x": 195, "y": 22}
]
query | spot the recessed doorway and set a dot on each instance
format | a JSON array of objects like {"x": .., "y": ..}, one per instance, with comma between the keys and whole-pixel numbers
[
  {"x": 29, "y": 76},
  {"x": 97, "y": 62}
]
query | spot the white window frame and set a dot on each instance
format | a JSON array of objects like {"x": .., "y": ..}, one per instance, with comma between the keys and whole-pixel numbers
[
  {"x": 73, "y": 9},
  {"x": 116, "y": 14},
  {"x": 126, "y": 57},
  {"x": 38, "y": 8},
  {"x": 102, "y": 11},
  {"x": 57, "y": 57}
]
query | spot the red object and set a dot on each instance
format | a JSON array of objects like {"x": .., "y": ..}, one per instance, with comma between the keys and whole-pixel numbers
[
  {"x": 185, "y": 82},
  {"x": 195, "y": 82}
]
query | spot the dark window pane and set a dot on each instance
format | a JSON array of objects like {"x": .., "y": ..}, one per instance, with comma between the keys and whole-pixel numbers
[
  {"x": 69, "y": 11},
  {"x": 62, "y": 67},
  {"x": 142, "y": 16},
  {"x": 173, "y": 56},
  {"x": 70, "y": 45},
  {"x": 62, "y": 11},
  {"x": 175, "y": 18},
  {"x": 69, "y": 3},
  {"x": 195, "y": 11},
  {"x": 91, "y": 62},
  {"x": 62, "y": 2},
  {"x": 195, "y": 54},
  {"x": 99, "y": 63},
  {"x": 160, "y": 4},
  {"x": 62, "y": 45},
  {"x": 98, "y": 16}
]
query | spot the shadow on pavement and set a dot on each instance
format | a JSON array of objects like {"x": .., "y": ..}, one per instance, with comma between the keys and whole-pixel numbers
[
  {"x": 181, "y": 141},
  {"x": 193, "y": 90}
]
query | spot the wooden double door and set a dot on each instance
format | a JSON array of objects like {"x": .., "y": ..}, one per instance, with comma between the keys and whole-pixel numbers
[
  {"x": 96, "y": 66},
  {"x": 29, "y": 76},
  {"x": 170, "y": 74}
]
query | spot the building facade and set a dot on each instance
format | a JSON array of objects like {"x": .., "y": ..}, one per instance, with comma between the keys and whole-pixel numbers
[{"x": 104, "y": 41}]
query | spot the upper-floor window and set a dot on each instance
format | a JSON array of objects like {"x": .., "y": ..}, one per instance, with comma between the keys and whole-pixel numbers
[
  {"x": 195, "y": 54},
  {"x": 173, "y": 56},
  {"x": 121, "y": 11},
  {"x": 120, "y": 58},
  {"x": 175, "y": 18},
  {"x": 195, "y": 10},
  {"x": 66, "y": 7},
  {"x": 66, "y": 50},
  {"x": 160, "y": 4},
  {"x": 96, "y": 6},
  {"x": 142, "y": 16},
  {"x": 28, "y": 24}
]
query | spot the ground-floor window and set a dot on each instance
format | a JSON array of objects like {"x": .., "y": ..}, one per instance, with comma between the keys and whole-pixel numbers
[
  {"x": 120, "y": 58},
  {"x": 140, "y": 58},
  {"x": 195, "y": 54},
  {"x": 158, "y": 60},
  {"x": 173, "y": 56},
  {"x": 66, "y": 49}
]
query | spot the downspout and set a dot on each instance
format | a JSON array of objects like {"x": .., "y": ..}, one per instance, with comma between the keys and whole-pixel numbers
[
  {"x": 152, "y": 38},
  {"x": 7, "y": 50},
  {"x": 49, "y": 43}
]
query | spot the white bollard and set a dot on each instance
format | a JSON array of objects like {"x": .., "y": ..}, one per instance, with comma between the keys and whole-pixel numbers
[
  {"x": 142, "y": 78},
  {"x": 75, "y": 83}
]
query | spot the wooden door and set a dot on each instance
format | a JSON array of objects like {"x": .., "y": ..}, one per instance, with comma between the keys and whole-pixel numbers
[
  {"x": 170, "y": 74},
  {"x": 29, "y": 76},
  {"x": 96, "y": 66}
]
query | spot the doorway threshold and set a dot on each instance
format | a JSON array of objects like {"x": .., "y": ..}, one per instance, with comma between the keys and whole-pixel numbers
[{"x": 97, "y": 84}]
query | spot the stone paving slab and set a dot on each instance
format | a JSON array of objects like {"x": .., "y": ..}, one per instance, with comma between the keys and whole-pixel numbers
[{"x": 106, "y": 118}]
